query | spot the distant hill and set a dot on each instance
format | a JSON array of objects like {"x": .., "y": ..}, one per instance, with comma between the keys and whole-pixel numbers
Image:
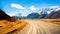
[
  {"x": 33, "y": 15},
  {"x": 53, "y": 15}
]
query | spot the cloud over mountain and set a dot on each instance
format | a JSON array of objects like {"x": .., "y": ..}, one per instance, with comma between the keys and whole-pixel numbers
[
  {"x": 18, "y": 6},
  {"x": 33, "y": 8}
]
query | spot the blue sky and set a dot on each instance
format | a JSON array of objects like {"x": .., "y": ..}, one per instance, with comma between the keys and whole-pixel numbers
[{"x": 24, "y": 7}]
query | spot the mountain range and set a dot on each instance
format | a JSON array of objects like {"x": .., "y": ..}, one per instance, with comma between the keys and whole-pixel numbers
[{"x": 47, "y": 13}]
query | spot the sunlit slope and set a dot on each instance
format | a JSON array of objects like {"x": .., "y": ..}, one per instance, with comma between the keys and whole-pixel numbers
[{"x": 7, "y": 26}]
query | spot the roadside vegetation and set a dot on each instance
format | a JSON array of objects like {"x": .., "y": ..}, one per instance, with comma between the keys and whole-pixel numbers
[{"x": 7, "y": 27}]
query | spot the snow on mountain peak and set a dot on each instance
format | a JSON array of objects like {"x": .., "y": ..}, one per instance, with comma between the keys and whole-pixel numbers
[
  {"x": 41, "y": 12},
  {"x": 49, "y": 10},
  {"x": 58, "y": 8},
  {"x": 55, "y": 8}
]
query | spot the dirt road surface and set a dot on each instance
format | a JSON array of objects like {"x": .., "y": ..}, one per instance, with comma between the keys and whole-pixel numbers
[{"x": 39, "y": 27}]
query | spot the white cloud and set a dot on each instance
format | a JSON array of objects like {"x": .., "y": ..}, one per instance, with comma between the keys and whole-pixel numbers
[
  {"x": 33, "y": 8},
  {"x": 18, "y": 6}
]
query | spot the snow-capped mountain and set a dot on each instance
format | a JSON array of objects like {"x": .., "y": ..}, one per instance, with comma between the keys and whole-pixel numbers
[
  {"x": 44, "y": 12},
  {"x": 49, "y": 10},
  {"x": 56, "y": 8}
]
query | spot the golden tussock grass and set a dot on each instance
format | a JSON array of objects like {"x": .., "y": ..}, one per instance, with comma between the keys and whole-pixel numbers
[{"x": 7, "y": 26}]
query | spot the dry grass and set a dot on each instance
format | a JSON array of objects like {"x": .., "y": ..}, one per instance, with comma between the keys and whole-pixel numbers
[{"x": 7, "y": 26}]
